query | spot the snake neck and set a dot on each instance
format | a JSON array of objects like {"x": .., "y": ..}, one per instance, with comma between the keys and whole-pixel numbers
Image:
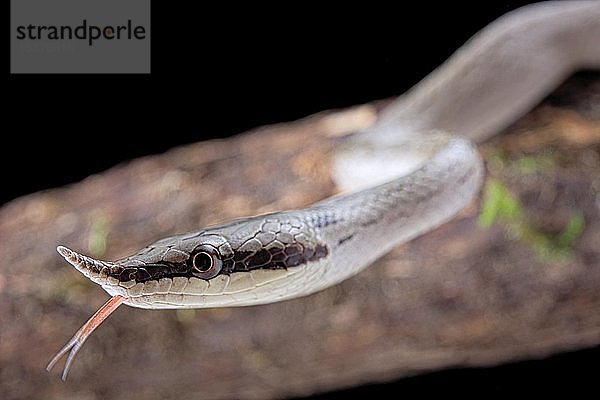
[
  {"x": 362, "y": 226},
  {"x": 500, "y": 74}
]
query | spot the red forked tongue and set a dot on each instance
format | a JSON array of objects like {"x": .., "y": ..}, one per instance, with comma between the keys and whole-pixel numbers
[{"x": 83, "y": 333}]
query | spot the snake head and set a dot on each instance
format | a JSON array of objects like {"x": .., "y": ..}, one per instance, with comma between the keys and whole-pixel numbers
[
  {"x": 231, "y": 264},
  {"x": 152, "y": 263}
]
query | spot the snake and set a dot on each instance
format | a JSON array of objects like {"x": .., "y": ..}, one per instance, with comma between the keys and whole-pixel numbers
[{"x": 412, "y": 170}]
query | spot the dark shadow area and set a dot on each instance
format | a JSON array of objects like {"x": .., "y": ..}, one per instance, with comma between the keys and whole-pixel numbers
[
  {"x": 570, "y": 372},
  {"x": 217, "y": 72}
]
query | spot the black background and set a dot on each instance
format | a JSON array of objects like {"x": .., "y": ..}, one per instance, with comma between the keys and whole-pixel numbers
[{"x": 220, "y": 71}]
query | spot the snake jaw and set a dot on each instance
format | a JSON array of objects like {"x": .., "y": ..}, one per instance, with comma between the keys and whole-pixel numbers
[{"x": 96, "y": 270}]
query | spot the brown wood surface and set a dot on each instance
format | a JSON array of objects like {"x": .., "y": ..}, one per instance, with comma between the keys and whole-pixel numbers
[{"x": 460, "y": 295}]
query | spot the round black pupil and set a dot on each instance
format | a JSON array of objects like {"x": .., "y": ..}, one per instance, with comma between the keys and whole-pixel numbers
[{"x": 202, "y": 262}]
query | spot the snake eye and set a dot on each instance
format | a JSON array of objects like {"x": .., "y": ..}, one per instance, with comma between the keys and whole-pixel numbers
[{"x": 206, "y": 263}]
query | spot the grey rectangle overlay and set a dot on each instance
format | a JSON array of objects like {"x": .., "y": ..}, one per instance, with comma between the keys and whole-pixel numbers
[{"x": 80, "y": 36}]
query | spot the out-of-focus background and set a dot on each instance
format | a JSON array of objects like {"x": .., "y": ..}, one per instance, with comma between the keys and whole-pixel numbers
[
  {"x": 220, "y": 71},
  {"x": 216, "y": 73}
]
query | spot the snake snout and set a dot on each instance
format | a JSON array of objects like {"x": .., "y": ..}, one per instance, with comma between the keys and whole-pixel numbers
[
  {"x": 96, "y": 270},
  {"x": 68, "y": 254}
]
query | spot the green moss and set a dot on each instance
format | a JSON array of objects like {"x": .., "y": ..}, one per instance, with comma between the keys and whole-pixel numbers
[
  {"x": 498, "y": 202},
  {"x": 572, "y": 231},
  {"x": 535, "y": 164},
  {"x": 500, "y": 206},
  {"x": 523, "y": 164},
  {"x": 99, "y": 228}
]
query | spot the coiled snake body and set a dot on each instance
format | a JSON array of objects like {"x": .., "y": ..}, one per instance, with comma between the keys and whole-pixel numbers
[{"x": 404, "y": 176}]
